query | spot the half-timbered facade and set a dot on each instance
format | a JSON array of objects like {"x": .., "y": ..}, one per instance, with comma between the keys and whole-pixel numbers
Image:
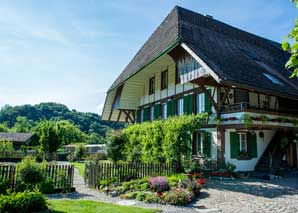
[{"x": 193, "y": 64}]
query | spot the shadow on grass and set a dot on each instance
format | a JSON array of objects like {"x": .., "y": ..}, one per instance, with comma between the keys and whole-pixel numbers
[{"x": 256, "y": 187}]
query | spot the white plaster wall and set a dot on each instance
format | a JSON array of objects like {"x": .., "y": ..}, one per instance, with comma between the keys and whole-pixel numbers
[{"x": 248, "y": 165}]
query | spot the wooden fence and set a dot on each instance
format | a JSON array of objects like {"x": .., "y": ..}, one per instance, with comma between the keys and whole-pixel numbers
[
  {"x": 61, "y": 175},
  {"x": 95, "y": 172}
]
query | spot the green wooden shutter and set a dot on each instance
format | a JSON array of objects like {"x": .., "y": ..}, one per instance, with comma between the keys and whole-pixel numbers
[
  {"x": 207, "y": 102},
  {"x": 207, "y": 144},
  {"x": 138, "y": 116},
  {"x": 156, "y": 111},
  {"x": 194, "y": 143},
  {"x": 185, "y": 104},
  {"x": 170, "y": 108},
  {"x": 190, "y": 105},
  {"x": 146, "y": 114},
  {"x": 234, "y": 144},
  {"x": 253, "y": 146}
]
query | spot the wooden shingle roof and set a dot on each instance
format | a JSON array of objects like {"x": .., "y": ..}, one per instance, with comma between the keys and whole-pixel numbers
[{"x": 236, "y": 56}]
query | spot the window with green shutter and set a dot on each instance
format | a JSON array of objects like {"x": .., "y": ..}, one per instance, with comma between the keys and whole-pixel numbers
[
  {"x": 188, "y": 104},
  {"x": 253, "y": 146},
  {"x": 185, "y": 104},
  {"x": 156, "y": 111},
  {"x": 207, "y": 102},
  {"x": 170, "y": 108},
  {"x": 146, "y": 114},
  {"x": 203, "y": 145},
  {"x": 138, "y": 116},
  {"x": 234, "y": 144}
]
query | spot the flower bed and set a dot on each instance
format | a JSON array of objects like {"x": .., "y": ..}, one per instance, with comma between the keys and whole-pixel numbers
[{"x": 175, "y": 190}]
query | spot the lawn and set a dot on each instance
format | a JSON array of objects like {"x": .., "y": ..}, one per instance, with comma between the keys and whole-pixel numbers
[
  {"x": 80, "y": 167},
  {"x": 86, "y": 206}
]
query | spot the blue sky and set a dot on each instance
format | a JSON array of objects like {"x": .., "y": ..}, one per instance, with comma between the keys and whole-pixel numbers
[{"x": 71, "y": 51}]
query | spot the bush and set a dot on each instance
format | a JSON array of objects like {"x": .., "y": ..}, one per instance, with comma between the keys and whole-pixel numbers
[
  {"x": 141, "y": 196},
  {"x": 29, "y": 172},
  {"x": 130, "y": 196},
  {"x": 178, "y": 196},
  {"x": 175, "y": 179},
  {"x": 23, "y": 202},
  {"x": 4, "y": 185},
  {"x": 230, "y": 167},
  {"x": 151, "y": 198},
  {"x": 97, "y": 157},
  {"x": 159, "y": 184},
  {"x": 47, "y": 187}
]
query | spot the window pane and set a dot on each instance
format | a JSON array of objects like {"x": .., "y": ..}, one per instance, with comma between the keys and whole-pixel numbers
[
  {"x": 180, "y": 106},
  {"x": 200, "y": 103},
  {"x": 152, "y": 113},
  {"x": 164, "y": 111}
]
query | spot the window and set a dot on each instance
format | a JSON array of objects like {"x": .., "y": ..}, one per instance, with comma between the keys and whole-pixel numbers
[
  {"x": 204, "y": 144},
  {"x": 200, "y": 103},
  {"x": 164, "y": 79},
  {"x": 151, "y": 85},
  {"x": 164, "y": 111},
  {"x": 142, "y": 115},
  {"x": 272, "y": 78},
  {"x": 152, "y": 113},
  {"x": 242, "y": 143},
  {"x": 180, "y": 106}
]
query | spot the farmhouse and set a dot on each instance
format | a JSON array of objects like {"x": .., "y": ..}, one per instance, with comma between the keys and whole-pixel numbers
[
  {"x": 193, "y": 63},
  {"x": 18, "y": 139}
]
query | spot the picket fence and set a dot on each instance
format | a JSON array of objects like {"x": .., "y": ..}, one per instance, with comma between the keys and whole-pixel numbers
[
  {"x": 95, "y": 172},
  {"x": 61, "y": 175}
]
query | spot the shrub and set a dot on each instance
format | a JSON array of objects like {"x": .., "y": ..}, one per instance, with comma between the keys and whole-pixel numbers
[
  {"x": 4, "y": 185},
  {"x": 178, "y": 196},
  {"x": 23, "y": 202},
  {"x": 131, "y": 195},
  {"x": 79, "y": 152},
  {"x": 97, "y": 157},
  {"x": 230, "y": 167},
  {"x": 29, "y": 172},
  {"x": 159, "y": 184},
  {"x": 47, "y": 187},
  {"x": 151, "y": 198},
  {"x": 141, "y": 196}
]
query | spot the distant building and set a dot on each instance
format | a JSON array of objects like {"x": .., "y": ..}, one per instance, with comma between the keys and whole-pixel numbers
[
  {"x": 90, "y": 148},
  {"x": 18, "y": 139}
]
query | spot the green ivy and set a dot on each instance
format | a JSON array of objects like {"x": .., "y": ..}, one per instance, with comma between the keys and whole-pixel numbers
[{"x": 162, "y": 141}]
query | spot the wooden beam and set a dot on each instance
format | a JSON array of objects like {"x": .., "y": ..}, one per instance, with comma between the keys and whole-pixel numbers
[
  {"x": 119, "y": 115},
  {"x": 211, "y": 99}
]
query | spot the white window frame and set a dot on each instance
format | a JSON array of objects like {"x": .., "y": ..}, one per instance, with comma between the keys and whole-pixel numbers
[
  {"x": 151, "y": 113},
  {"x": 202, "y": 138},
  {"x": 200, "y": 103},
  {"x": 142, "y": 115},
  {"x": 164, "y": 111},
  {"x": 180, "y": 107},
  {"x": 243, "y": 142}
]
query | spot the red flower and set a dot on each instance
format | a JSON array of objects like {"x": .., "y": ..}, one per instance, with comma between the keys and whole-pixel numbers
[{"x": 201, "y": 181}]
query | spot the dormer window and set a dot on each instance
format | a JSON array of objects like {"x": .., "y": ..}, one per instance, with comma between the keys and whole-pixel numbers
[{"x": 272, "y": 78}]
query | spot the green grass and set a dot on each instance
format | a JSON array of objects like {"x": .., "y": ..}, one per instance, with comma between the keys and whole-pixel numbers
[
  {"x": 80, "y": 167},
  {"x": 86, "y": 206}
]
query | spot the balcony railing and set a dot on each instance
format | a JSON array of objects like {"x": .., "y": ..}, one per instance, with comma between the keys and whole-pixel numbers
[{"x": 239, "y": 107}]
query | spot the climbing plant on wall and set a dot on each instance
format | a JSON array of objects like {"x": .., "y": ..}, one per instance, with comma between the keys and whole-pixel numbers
[{"x": 162, "y": 141}]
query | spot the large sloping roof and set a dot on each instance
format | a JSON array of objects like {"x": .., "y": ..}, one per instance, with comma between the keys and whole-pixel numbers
[
  {"x": 236, "y": 56},
  {"x": 15, "y": 137}
]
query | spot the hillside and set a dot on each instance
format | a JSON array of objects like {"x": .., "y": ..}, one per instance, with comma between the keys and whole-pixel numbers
[{"x": 88, "y": 122}]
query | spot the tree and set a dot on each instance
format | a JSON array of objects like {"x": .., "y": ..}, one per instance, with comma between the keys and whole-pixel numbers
[
  {"x": 4, "y": 128},
  {"x": 115, "y": 145},
  {"x": 48, "y": 136},
  {"x": 70, "y": 133},
  {"x": 292, "y": 63},
  {"x": 22, "y": 124}
]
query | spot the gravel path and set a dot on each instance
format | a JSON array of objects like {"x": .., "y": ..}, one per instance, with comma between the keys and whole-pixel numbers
[
  {"x": 245, "y": 195},
  {"x": 251, "y": 195}
]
